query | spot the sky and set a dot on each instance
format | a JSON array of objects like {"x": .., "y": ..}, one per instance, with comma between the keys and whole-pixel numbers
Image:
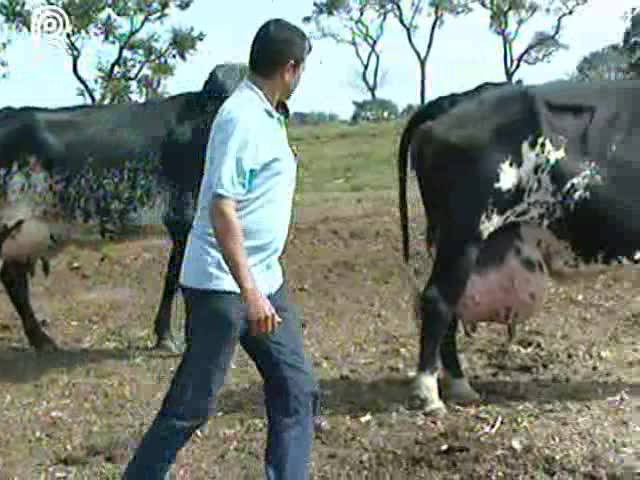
[{"x": 465, "y": 54}]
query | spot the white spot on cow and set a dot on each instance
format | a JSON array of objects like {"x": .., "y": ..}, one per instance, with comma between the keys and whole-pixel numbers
[
  {"x": 425, "y": 393},
  {"x": 542, "y": 202},
  {"x": 508, "y": 177}
]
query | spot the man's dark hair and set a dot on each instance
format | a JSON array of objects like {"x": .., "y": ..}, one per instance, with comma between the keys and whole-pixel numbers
[{"x": 275, "y": 44}]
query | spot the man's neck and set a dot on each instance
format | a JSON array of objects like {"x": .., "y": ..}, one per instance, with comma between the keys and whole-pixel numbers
[{"x": 268, "y": 88}]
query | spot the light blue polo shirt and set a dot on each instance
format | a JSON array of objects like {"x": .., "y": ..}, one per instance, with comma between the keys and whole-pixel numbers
[{"x": 249, "y": 159}]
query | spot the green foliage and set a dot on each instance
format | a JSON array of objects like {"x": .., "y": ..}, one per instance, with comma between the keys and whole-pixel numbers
[
  {"x": 143, "y": 58},
  {"x": 3, "y": 62},
  {"x": 631, "y": 43},
  {"x": 617, "y": 61},
  {"x": 508, "y": 17},
  {"x": 374, "y": 110},
  {"x": 608, "y": 63},
  {"x": 313, "y": 118},
  {"x": 5, "y": 7}
]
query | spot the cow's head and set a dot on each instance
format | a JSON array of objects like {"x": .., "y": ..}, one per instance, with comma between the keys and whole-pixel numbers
[{"x": 224, "y": 79}]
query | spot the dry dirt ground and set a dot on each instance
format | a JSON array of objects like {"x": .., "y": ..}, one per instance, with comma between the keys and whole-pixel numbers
[{"x": 559, "y": 403}]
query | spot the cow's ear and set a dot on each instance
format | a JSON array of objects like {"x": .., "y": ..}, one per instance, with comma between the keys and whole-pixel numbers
[{"x": 569, "y": 121}]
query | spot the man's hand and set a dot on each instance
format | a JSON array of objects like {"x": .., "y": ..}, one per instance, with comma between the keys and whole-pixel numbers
[{"x": 261, "y": 315}]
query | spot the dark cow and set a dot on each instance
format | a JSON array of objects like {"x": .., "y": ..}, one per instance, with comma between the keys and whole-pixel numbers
[
  {"x": 172, "y": 133},
  {"x": 427, "y": 113},
  {"x": 460, "y": 160}
]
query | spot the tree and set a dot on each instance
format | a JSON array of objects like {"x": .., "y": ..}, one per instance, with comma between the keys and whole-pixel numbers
[
  {"x": 376, "y": 110},
  {"x": 608, "y": 63},
  {"x": 356, "y": 81},
  {"x": 359, "y": 24},
  {"x": 4, "y": 44},
  {"x": 142, "y": 61},
  {"x": 508, "y": 17},
  {"x": 631, "y": 43},
  {"x": 3, "y": 62},
  {"x": 409, "y": 15},
  {"x": 617, "y": 61}
]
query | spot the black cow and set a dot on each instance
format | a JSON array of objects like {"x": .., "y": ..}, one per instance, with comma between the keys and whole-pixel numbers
[
  {"x": 169, "y": 134},
  {"x": 460, "y": 158},
  {"x": 427, "y": 113}
]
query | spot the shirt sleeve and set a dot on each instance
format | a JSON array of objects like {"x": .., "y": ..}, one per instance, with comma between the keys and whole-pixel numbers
[{"x": 231, "y": 156}]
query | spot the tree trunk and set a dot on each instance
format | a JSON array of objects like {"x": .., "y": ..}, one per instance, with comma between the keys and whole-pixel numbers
[
  {"x": 423, "y": 81},
  {"x": 509, "y": 75}
]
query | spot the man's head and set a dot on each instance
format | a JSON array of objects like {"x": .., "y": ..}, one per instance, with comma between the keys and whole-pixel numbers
[{"x": 278, "y": 53}]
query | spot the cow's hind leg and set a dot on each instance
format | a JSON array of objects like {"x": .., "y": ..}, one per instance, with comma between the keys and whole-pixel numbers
[
  {"x": 446, "y": 284},
  {"x": 455, "y": 385},
  {"x": 164, "y": 338},
  {"x": 162, "y": 324},
  {"x": 14, "y": 276}
]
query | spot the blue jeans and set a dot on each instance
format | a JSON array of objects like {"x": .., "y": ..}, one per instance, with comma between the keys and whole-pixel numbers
[{"x": 215, "y": 322}]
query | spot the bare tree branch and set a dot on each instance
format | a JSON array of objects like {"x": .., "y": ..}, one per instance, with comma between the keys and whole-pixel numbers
[
  {"x": 122, "y": 47},
  {"x": 409, "y": 24},
  {"x": 508, "y": 17},
  {"x": 361, "y": 26},
  {"x": 75, "y": 53}
]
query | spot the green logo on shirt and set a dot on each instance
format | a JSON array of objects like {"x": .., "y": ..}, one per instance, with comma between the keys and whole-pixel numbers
[{"x": 251, "y": 175}]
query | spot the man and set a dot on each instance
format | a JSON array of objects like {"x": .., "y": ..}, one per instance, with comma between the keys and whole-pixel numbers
[{"x": 233, "y": 284}]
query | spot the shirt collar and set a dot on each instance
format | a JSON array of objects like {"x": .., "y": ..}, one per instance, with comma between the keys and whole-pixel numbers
[{"x": 268, "y": 107}]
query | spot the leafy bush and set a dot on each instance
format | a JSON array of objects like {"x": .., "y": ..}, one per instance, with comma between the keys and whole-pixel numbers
[{"x": 376, "y": 110}]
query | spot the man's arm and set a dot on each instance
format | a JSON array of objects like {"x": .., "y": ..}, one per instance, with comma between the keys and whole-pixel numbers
[
  {"x": 229, "y": 234},
  {"x": 232, "y": 154},
  {"x": 261, "y": 315}
]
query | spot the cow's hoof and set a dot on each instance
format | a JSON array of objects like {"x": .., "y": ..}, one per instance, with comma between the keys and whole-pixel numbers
[
  {"x": 424, "y": 395},
  {"x": 168, "y": 345},
  {"x": 320, "y": 424},
  {"x": 458, "y": 390},
  {"x": 44, "y": 344},
  {"x": 428, "y": 408}
]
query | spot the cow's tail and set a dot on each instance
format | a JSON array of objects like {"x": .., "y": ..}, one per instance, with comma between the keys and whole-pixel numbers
[
  {"x": 417, "y": 119},
  {"x": 403, "y": 164}
]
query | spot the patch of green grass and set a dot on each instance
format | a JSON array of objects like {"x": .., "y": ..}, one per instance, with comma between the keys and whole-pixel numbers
[{"x": 346, "y": 158}]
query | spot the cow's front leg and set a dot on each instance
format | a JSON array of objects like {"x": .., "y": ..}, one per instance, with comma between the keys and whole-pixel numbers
[
  {"x": 14, "y": 276},
  {"x": 455, "y": 385}
]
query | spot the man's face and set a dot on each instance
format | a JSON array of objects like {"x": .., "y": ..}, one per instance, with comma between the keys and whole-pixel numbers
[{"x": 291, "y": 77}]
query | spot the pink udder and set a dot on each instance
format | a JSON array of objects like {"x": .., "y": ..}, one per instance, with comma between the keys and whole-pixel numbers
[{"x": 503, "y": 294}]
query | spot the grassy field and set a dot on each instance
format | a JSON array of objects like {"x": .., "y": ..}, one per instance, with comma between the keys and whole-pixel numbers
[
  {"x": 339, "y": 158},
  {"x": 561, "y": 402}
]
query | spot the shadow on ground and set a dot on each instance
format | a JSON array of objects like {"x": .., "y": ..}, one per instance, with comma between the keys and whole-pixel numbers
[
  {"x": 354, "y": 397},
  {"x": 23, "y": 365}
]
